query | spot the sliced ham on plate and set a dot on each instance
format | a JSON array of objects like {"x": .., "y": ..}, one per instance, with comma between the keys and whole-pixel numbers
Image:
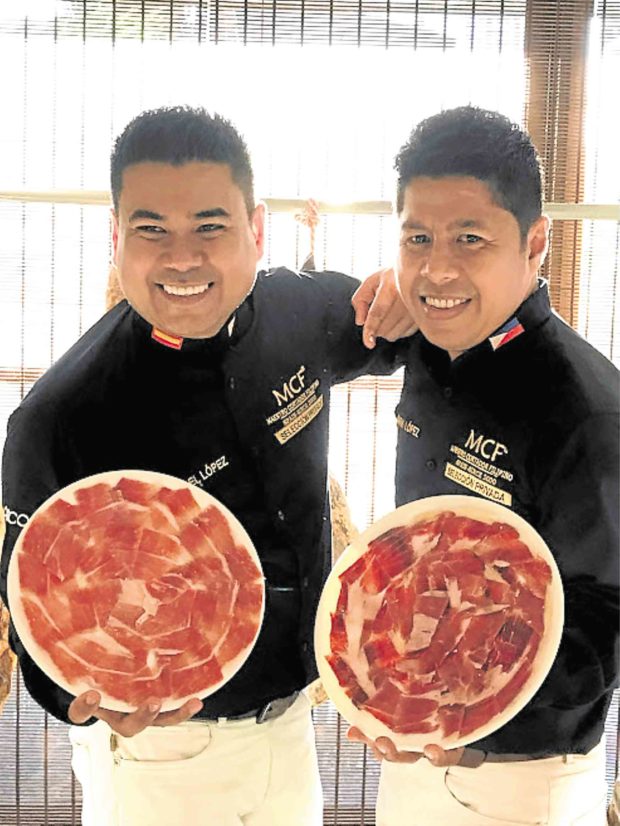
[
  {"x": 139, "y": 585},
  {"x": 440, "y": 622}
]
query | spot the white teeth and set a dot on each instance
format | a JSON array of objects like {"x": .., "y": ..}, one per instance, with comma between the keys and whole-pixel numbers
[
  {"x": 444, "y": 303},
  {"x": 175, "y": 289}
]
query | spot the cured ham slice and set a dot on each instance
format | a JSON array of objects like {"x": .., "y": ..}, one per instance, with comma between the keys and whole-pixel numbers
[
  {"x": 437, "y": 625},
  {"x": 138, "y": 585}
]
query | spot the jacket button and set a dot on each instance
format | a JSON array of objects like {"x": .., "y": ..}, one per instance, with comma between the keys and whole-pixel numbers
[
  {"x": 305, "y": 582},
  {"x": 431, "y": 464},
  {"x": 281, "y": 516},
  {"x": 231, "y": 382},
  {"x": 447, "y": 392},
  {"x": 305, "y": 646}
]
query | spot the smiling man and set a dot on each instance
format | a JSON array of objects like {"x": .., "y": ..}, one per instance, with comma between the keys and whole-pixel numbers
[
  {"x": 504, "y": 400},
  {"x": 160, "y": 256},
  {"x": 464, "y": 263},
  {"x": 214, "y": 374}
]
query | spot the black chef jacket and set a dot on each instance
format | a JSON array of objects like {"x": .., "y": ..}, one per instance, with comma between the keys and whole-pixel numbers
[
  {"x": 243, "y": 415},
  {"x": 529, "y": 418}
]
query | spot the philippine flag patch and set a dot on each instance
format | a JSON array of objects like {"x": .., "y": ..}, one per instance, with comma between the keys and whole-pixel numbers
[{"x": 511, "y": 329}]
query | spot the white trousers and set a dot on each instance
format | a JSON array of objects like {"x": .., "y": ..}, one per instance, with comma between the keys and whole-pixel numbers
[
  {"x": 556, "y": 791},
  {"x": 232, "y": 773}
]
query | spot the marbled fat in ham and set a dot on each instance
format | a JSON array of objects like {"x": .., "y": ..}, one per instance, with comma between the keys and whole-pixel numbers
[
  {"x": 437, "y": 625},
  {"x": 137, "y": 591}
]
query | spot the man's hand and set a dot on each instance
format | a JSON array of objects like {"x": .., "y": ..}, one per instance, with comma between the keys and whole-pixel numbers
[
  {"x": 379, "y": 307},
  {"x": 127, "y": 725},
  {"x": 384, "y": 749}
]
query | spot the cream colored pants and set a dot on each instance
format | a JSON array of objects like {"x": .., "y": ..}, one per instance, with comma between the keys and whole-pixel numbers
[
  {"x": 557, "y": 791},
  {"x": 234, "y": 773}
]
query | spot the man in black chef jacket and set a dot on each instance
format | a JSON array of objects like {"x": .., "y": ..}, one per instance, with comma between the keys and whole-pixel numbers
[
  {"x": 199, "y": 374},
  {"x": 504, "y": 400}
]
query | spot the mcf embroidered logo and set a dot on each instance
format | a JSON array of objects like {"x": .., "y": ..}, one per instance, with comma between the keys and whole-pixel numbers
[
  {"x": 298, "y": 401},
  {"x": 485, "y": 447},
  {"x": 475, "y": 467}
]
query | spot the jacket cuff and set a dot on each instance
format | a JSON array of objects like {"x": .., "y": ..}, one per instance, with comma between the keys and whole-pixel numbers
[{"x": 472, "y": 758}]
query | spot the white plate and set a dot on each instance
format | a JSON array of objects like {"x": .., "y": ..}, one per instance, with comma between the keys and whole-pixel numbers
[
  {"x": 42, "y": 658},
  {"x": 418, "y": 511}
]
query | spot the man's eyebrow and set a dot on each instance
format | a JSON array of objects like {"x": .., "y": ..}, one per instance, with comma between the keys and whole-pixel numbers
[
  {"x": 145, "y": 213},
  {"x": 216, "y": 212},
  {"x": 461, "y": 223},
  {"x": 412, "y": 225},
  {"x": 467, "y": 223}
]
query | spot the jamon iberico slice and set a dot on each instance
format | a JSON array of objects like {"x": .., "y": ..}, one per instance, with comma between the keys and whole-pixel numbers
[
  {"x": 137, "y": 588},
  {"x": 437, "y": 625}
]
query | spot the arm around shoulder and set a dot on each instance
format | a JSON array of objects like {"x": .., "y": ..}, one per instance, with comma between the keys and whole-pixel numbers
[{"x": 349, "y": 357}]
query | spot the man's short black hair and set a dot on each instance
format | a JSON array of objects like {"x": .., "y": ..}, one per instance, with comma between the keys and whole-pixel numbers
[
  {"x": 181, "y": 134},
  {"x": 476, "y": 143}
]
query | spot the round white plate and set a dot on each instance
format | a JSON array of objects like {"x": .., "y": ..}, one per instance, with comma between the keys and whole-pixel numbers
[
  {"x": 42, "y": 658},
  {"x": 475, "y": 508}
]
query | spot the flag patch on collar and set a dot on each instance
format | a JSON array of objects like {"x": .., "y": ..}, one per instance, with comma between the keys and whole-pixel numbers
[
  {"x": 175, "y": 342},
  {"x": 511, "y": 329}
]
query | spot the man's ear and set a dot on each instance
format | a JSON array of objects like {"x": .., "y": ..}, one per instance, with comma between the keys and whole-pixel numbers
[
  {"x": 114, "y": 220},
  {"x": 257, "y": 221},
  {"x": 538, "y": 243}
]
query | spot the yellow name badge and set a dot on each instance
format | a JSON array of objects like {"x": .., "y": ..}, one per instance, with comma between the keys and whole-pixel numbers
[
  {"x": 299, "y": 420},
  {"x": 479, "y": 486}
]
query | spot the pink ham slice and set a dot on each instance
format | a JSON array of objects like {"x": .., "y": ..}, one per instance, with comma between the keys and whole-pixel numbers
[
  {"x": 139, "y": 592},
  {"x": 451, "y": 612}
]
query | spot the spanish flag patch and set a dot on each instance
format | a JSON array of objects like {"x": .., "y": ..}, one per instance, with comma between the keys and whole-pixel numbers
[{"x": 175, "y": 342}]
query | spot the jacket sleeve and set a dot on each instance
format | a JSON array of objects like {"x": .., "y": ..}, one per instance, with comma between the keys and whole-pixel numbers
[
  {"x": 33, "y": 457},
  {"x": 348, "y": 356},
  {"x": 579, "y": 504}
]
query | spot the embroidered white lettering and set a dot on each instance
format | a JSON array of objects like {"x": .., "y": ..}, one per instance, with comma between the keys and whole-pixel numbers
[
  {"x": 206, "y": 472},
  {"x": 489, "y": 448},
  {"x": 12, "y": 517},
  {"x": 291, "y": 388}
]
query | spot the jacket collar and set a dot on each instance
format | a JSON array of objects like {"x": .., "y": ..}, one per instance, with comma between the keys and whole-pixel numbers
[
  {"x": 533, "y": 312},
  {"x": 228, "y": 335}
]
